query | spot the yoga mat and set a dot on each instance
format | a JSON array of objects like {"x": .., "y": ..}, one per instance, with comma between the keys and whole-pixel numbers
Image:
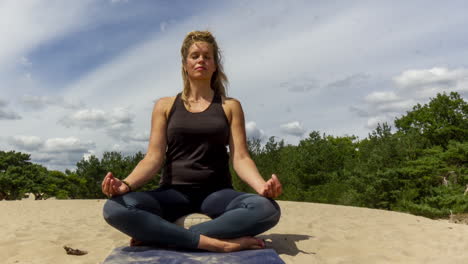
[{"x": 151, "y": 255}]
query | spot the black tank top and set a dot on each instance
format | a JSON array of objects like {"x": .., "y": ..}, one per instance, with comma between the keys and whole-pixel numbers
[{"x": 196, "y": 146}]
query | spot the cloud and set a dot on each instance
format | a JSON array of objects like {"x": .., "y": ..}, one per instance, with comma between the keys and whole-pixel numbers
[
  {"x": 32, "y": 22},
  {"x": 349, "y": 82},
  {"x": 54, "y": 153},
  {"x": 35, "y": 102},
  {"x": 253, "y": 132},
  {"x": 118, "y": 118},
  {"x": 410, "y": 87},
  {"x": 128, "y": 149},
  {"x": 52, "y": 145},
  {"x": 293, "y": 128},
  {"x": 373, "y": 121},
  {"x": 6, "y": 114},
  {"x": 139, "y": 137},
  {"x": 300, "y": 84},
  {"x": 381, "y": 97},
  {"x": 423, "y": 83},
  {"x": 26, "y": 142},
  {"x": 69, "y": 144}
]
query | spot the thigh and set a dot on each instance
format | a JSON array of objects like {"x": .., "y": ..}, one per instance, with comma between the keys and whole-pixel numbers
[
  {"x": 217, "y": 202},
  {"x": 168, "y": 203}
]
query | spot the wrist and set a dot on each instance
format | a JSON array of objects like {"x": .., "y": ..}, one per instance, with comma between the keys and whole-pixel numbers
[
  {"x": 259, "y": 188},
  {"x": 128, "y": 185}
]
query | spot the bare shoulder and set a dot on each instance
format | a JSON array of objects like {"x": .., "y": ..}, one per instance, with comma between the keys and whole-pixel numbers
[
  {"x": 232, "y": 103},
  {"x": 164, "y": 104},
  {"x": 232, "y": 108}
]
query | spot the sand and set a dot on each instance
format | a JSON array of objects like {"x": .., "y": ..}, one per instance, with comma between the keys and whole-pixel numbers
[{"x": 36, "y": 231}]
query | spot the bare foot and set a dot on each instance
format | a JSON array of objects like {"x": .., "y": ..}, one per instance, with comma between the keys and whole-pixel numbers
[{"x": 242, "y": 243}]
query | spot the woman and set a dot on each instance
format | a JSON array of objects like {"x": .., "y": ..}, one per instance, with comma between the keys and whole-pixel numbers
[{"x": 189, "y": 135}]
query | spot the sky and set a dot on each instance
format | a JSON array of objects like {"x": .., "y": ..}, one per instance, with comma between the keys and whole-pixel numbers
[{"x": 79, "y": 78}]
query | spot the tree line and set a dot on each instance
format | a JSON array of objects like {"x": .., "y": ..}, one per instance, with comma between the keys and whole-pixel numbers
[{"x": 420, "y": 168}]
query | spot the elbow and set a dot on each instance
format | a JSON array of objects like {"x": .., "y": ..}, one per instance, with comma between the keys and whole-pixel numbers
[{"x": 238, "y": 161}]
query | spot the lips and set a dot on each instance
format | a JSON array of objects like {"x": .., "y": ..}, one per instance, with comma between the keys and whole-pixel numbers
[{"x": 200, "y": 68}]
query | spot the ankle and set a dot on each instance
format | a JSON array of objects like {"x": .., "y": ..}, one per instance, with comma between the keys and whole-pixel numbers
[{"x": 212, "y": 244}]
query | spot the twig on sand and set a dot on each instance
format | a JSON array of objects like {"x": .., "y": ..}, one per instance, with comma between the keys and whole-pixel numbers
[{"x": 73, "y": 251}]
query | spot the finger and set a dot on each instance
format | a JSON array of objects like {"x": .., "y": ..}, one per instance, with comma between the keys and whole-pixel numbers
[
  {"x": 277, "y": 187},
  {"x": 279, "y": 190},
  {"x": 116, "y": 186},
  {"x": 105, "y": 187},
  {"x": 110, "y": 191},
  {"x": 105, "y": 178},
  {"x": 275, "y": 179},
  {"x": 270, "y": 188},
  {"x": 115, "y": 189},
  {"x": 112, "y": 187}
]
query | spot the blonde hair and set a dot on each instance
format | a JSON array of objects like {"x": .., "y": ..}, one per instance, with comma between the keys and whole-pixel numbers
[{"x": 219, "y": 80}]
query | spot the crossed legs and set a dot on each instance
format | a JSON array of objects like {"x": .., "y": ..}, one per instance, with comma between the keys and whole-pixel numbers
[{"x": 149, "y": 217}]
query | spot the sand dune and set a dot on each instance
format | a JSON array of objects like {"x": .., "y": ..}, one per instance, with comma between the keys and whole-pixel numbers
[{"x": 36, "y": 231}]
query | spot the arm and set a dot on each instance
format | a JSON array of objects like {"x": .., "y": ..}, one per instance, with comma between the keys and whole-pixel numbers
[
  {"x": 242, "y": 162},
  {"x": 153, "y": 160}
]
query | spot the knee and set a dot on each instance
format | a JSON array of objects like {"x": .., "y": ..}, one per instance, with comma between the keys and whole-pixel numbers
[
  {"x": 117, "y": 208},
  {"x": 121, "y": 207},
  {"x": 111, "y": 210},
  {"x": 268, "y": 210},
  {"x": 274, "y": 211}
]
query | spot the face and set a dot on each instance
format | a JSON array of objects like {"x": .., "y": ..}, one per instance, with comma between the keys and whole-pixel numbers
[{"x": 200, "y": 63}]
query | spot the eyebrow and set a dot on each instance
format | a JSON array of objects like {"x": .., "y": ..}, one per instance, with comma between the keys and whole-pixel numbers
[{"x": 205, "y": 52}]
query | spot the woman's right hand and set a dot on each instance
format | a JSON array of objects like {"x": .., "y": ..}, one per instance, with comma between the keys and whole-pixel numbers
[{"x": 112, "y": 186}]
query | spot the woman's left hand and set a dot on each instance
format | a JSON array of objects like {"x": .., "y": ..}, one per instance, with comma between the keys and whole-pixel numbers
[{"x": 272, "y": 188}]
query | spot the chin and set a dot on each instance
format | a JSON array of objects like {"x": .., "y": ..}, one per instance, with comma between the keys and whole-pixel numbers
[{"x": 200, "y": 78}]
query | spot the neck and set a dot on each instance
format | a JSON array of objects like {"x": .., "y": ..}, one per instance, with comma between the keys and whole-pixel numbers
[{"x": 200, "y": 89}]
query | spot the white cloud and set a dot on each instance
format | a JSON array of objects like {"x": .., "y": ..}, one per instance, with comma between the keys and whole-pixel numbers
[
  {"x": 141, "y": 137},
  {"x": 26, "y": 142},
  {"x": 423, "y": 83},
  {"x": 353, "y": 81},
  {"x": 6, "y": 114},
  {"x": 69, "y": 144},
  {"x": 117, "y": 118},
  {"x": 373, "y": 121},
  {"x": 294, "y": 128},
  {"x": 381, "y": 97},
  {"x": 35, "y": 102},
  {"x": 25, "y": 24},
  {"x": 253, "y": 132},
  {"x": 54, "y": 153},
  {"x": 410, "y": 87},
  {"x": 51, "y": 145},
  {"x": 300, "y": 85},
  {"x": 128, "y": 149}
]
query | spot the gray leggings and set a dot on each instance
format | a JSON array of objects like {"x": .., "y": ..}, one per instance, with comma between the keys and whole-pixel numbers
[{"x": 149, "y": 216}]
